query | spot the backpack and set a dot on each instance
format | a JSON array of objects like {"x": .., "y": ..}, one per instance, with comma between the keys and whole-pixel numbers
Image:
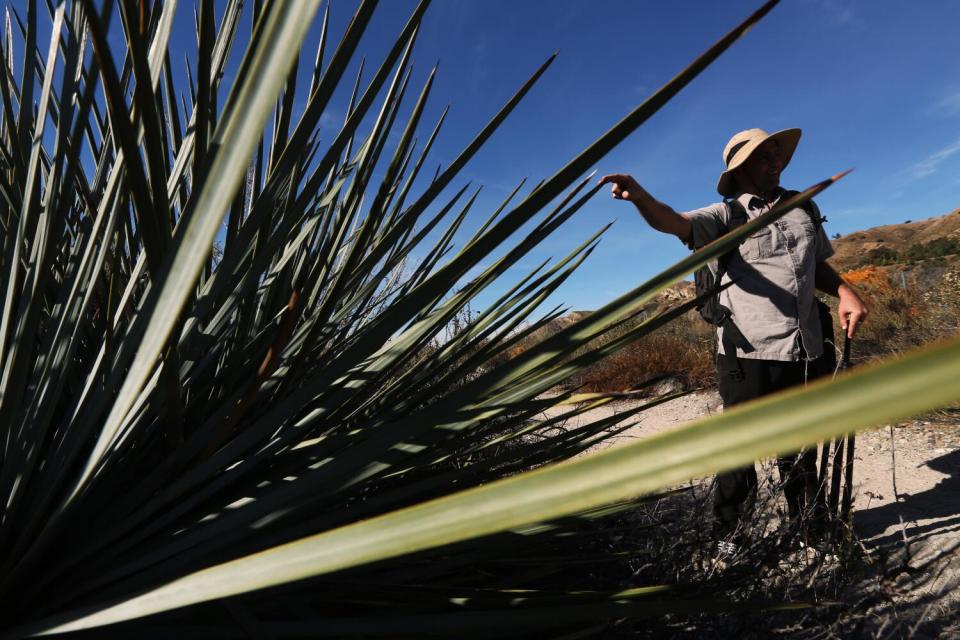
[{"x": 707, "y": 281}]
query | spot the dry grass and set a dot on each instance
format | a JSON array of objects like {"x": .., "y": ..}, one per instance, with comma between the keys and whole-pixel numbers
[
  {"x": 684, "y": 351},
  {"x": 837, "y": 591}
]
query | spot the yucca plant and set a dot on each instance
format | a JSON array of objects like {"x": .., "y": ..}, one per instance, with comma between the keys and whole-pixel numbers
[{"x": 279, "y": 427}]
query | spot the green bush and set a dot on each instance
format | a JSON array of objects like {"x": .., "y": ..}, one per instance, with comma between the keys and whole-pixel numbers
[
  {"x": 882, "y": 256},
  {"x": 933, "y": 249}
]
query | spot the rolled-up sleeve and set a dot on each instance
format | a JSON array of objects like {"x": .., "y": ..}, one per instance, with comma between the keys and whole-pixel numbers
[
  {"x": 824, "y": 249},
  {"x": 708, "y": 224}
]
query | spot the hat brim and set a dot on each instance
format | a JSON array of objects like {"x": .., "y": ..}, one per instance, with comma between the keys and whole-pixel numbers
[{"x": 788, "y": 140}]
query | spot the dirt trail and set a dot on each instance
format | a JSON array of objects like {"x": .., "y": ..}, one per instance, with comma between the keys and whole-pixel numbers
[{"x": 906, "y": 482}]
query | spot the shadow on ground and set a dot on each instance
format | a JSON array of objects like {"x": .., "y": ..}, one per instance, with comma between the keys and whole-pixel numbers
[{"x": 929, "y": 513}]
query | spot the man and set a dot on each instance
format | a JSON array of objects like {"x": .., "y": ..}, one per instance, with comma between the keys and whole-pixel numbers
[{"x": 772, "y": 303}]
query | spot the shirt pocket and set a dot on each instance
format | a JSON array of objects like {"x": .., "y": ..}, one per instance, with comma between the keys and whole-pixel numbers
[
  {"x": 807, "y": 229},
  {"x": 758, "y": 246},
  {"x": 807, "y": 241}
]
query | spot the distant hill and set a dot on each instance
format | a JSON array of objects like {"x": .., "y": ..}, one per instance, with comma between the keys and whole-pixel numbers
[{"x": 855, "y": 249}]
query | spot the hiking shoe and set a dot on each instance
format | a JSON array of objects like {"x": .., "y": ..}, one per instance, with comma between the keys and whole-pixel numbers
[
  {"x": 726, "y": 548},
  {"x": 724, "y": 554},
  {"x": 822, "y": 551}
]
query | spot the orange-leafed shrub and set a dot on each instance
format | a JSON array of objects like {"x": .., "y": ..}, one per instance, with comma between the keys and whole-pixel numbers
[{"x": 869, "y": 279}]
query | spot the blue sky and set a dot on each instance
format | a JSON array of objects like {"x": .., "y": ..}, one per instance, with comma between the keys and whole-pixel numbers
[{"x": 875, "y": 85}]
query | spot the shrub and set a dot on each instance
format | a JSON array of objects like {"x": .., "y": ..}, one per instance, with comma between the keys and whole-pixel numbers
[
  {"x": 933, "y": 249},
  {"x": 904, "y": 315},
  {"x": 882, "y": 256}
]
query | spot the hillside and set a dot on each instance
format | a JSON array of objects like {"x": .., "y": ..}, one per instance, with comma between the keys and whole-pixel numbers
[{"x": 854, "y": 249}]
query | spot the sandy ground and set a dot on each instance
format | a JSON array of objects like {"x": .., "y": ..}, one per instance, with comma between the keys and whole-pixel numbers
[{"x": 906, "y": 483}]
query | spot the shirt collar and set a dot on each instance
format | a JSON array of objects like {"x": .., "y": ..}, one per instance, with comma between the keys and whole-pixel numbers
[{"x": 752, "y": 201}]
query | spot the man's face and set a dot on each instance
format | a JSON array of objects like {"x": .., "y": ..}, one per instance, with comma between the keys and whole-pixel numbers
[{"x": 762, "y": 169}]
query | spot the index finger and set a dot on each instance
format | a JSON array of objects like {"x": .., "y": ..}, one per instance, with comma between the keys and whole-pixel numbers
[
  {"x": 612, "y": 177},
  {"x": 853, "y": 325}
]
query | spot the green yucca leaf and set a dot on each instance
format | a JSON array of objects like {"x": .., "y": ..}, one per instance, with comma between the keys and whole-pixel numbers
[
  {"x": 36, "y": 220},
  {"x": 517, "y": 303},
  {"x": 400, "y": 155},
  {"x": 158, "y": 47},
  {"x": 575, "y": 441},
  {"x": 331, "y": 79},
  {"x": 204, "y": 95},
  {"x": 154, "y": 232},
  {"x": 9, "y": 119},
  {"x": 366, "y": 160},
  {"x": 185, "y": 153},
  {"x": 321, "y": 45},
  {"x": 216, "y": 289},
  {"x": 401, "y": 198},
  {"x": 196, "y": 476},
  {"x": 65, "y": 341}
]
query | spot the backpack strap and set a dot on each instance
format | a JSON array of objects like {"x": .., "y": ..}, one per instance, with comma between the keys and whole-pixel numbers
[
  {"x": 738, "y": 214},
  {"x": 809, "y": 206},
  {"x": 731, "y": 335},
  {"x": 738, "y": 218}
]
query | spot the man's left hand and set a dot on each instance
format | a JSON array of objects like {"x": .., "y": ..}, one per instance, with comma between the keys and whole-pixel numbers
[{"x": 852, "y": 310}]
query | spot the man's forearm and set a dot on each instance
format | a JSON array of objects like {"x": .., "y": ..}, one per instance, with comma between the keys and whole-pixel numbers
[
  {"x": 826, "y": 279},
  {"x": 851, "y": 309},
  {"x": 660, "y": 216}
]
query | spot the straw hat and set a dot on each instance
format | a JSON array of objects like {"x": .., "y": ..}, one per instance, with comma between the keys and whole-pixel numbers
[{"x": 746, "y": 142}]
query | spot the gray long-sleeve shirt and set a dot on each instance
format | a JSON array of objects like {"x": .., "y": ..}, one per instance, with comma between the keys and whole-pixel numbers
[{"x": 773, "y": 301}]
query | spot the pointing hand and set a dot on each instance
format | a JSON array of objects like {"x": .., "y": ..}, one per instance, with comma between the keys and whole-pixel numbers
[{"x": 622, "y": 186}]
